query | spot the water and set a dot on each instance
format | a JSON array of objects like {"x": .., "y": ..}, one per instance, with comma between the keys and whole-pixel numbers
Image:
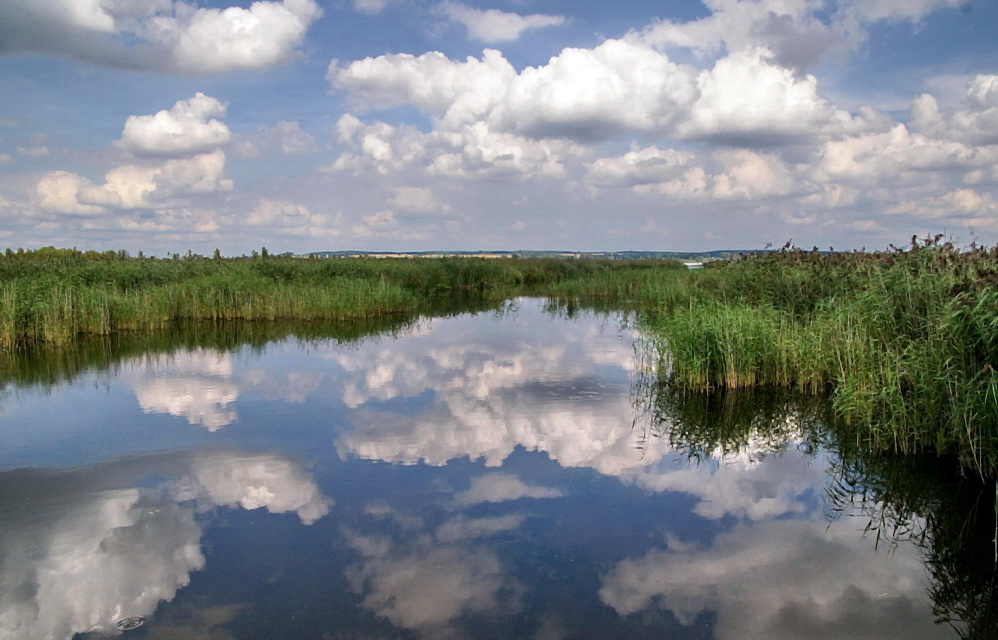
[{"x": 496, "y": 475}]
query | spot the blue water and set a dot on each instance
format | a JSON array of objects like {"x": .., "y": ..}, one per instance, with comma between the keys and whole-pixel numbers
[{"x": 478, "y": 476}]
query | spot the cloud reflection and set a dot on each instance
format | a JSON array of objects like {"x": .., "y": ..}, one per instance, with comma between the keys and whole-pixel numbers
[
  {"x": 79, "y": 552},
  {"x": 196, "y": 385},
  {"x": 499, "y": 387},
  {"x": 433, "y": 583},
  {"x": 782, "y": 579}
]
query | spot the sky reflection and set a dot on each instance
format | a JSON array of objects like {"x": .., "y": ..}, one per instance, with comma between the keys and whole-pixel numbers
[{"x": 493, "y": 474}]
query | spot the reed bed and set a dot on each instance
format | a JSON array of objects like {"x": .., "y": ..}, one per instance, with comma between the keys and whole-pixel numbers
[
  {"x": 904, "y": 341},
  {"x": 51, "y": 296}
]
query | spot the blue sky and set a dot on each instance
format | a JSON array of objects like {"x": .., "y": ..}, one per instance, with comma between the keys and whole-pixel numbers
[{"x": 164, "y": 125}]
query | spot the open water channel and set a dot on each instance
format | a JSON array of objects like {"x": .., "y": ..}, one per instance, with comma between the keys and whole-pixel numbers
[{"x": 490, "y": 475}]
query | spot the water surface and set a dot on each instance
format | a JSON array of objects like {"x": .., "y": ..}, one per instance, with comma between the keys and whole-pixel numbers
[{"x": 490, "y": 475}]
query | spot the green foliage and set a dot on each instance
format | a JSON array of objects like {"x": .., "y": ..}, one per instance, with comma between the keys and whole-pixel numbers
[
  {"x": 51, "y": 296},
  {"x": 905, "y": 341}
]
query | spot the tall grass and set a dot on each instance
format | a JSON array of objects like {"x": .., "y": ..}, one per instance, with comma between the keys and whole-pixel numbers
[
  {"x": 51, "y": 296},
  {"x": 905, "y": 341}
]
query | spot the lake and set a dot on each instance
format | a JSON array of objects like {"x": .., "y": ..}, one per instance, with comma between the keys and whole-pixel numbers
[{"x": 504, "y": 474}]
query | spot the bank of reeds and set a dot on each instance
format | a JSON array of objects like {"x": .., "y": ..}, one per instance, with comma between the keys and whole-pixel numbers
[
  {"x": 904, "y": 341},
  {"x": 51, "y": 296}
]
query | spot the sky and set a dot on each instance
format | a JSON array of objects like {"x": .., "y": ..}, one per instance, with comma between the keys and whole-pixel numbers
[{"x": 165, "y": 126}]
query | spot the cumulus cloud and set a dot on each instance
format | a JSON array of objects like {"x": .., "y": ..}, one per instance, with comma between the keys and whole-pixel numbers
[
  {"x": 967, "y": 207},
  {"x": 491, "y": 25},
  {"x": 977, "y": 124},
  {"x": 592, "y": 93},
  {"x": 582, "y": 93},
  {"x": 474, "y": 152},
  {"x": 213, "y": 40},
  {"x": 638, "y": 166},
  {"x": 727, "y": 174},
  {"x": 186, "y": 139},
  {"x": 414, "y": 199},
  {"x": 759, "y": 582},
  {"x": 788, "y": 28},
  {"x": 189, "y": 127},
  {"x": 746, "y": 98},
  {"x": 161, "y": 34},
  {"x": 895, "y": 154},
  {"x": 794, "y": 30}
]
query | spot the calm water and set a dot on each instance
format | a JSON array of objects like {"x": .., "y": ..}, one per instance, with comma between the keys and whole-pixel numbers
[{"x": 478, "y": 476}]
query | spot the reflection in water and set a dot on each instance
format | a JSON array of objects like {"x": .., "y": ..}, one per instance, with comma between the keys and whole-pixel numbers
[
  {"x": 85, "y": 548},
  {"x": 435, "y": 582},
  {"x": 195, "y": 385},
  {"x": 502, "y": 475},
  {"x": 779, "y": 579},
  {"x": 903, "y": 504}
]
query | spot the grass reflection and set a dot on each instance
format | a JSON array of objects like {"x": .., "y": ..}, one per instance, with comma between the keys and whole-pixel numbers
[{"x": 924, "y": 500}]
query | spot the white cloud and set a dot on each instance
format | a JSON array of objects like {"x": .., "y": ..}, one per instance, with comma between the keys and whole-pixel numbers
[
  {"x": 189, "y": 127},
  {"x": 728, "y": 174},
  {"x": 638, "y": 166},
  {"x": 967, "y": 207},
  {"x": 370, "y": 7},
  {"x": 500, "y": 487},
  {"x": 582, "y": 93},
  {"x": 266, "y": 34},
  {"x": 133, "y": 187},
  {"x": 788, "y": 28},
  {"x": 474, "y": 151},
  {"x": 59, "y": 191},
  {"x": 163, "y": 34},
  {"x": 977, "y": 124},
  {"x": 492, "y": 25},
  {"x": 747, "y": 175},
  {"x": 414, "y": 199},
  {"x": 895, "y": 154},
  {"x": 621, "y": 86},
  {"x": 431, "y": 82},
  {"x": 749, "y": 99},
  {"x": 278, "y": 213},
  {"x": 592, "y": 93}
]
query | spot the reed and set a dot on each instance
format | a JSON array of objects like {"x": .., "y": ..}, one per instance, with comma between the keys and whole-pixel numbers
[{"x": 905, "y": 341}]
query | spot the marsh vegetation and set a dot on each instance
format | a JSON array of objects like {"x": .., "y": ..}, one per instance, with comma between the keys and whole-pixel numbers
[{"x": 904, "y": 342}]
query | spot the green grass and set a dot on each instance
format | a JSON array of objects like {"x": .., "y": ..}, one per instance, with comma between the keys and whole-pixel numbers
[
  {"x": 904, "y": 341},
  {"x": 52, "y": 296}
]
